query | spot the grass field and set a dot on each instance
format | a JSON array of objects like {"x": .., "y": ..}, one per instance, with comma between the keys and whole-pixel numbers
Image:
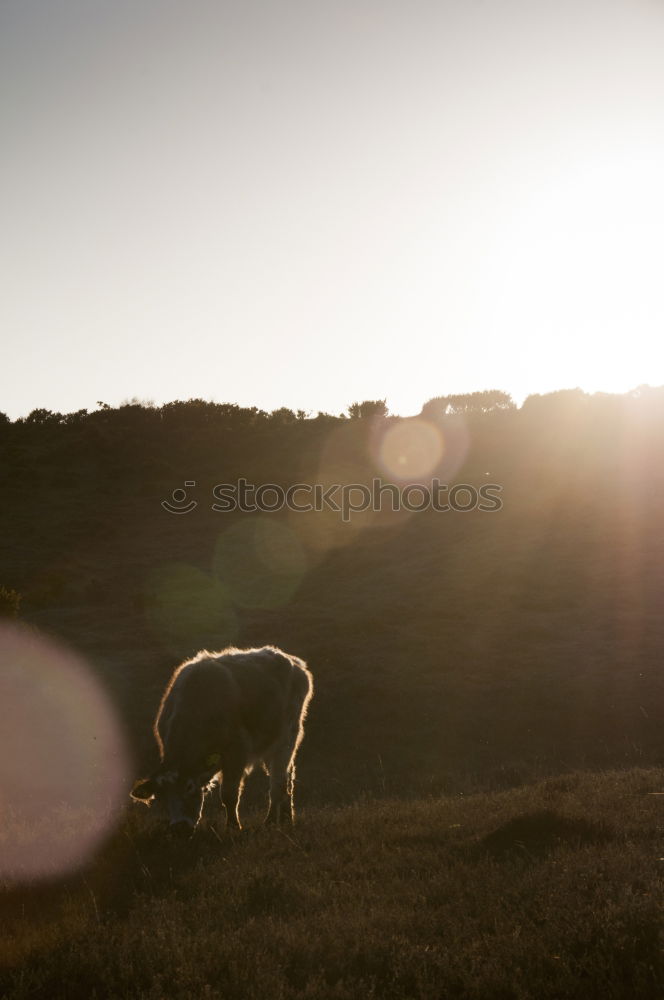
[{"x": 552, "y": 890}]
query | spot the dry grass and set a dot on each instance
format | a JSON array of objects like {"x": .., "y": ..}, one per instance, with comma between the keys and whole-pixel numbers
[{"x": 552, "y": 890}]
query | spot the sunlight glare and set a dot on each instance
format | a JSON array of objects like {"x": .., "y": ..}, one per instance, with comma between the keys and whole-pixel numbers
[
  {"x": 260, "y": 562},
  {"x": 410, "y": 449},
  {"x": 185, "y": 606},
  {"x": 573, "y": 270},
  {"x": 63, "y": 759}
]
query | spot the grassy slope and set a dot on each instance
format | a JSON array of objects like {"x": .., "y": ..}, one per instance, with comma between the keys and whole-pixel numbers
[
  {"x": 447, "y": 648},
  {"x": 551, "y": 890},
  {"x": 505, "y": 645}
]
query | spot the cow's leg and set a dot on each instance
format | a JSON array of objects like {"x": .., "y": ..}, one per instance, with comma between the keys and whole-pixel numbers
[
  {"x": 281, "y": 767},
  {"x": 281, "y": 796},
  {"x": 231, "y": 790}
]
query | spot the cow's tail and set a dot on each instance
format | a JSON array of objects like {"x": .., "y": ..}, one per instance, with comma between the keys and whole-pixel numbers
[{"x": 302, "y": 689}]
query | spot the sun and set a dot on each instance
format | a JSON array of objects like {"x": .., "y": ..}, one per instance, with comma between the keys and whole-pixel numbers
[{"x": 569, "y": 281}]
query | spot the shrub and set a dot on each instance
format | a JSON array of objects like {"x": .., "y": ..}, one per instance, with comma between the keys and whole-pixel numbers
[{"x": 10, "y": 602}]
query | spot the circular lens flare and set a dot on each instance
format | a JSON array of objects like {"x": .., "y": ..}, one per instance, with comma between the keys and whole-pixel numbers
[
  {"x": 261, "y": 562},
  {"x": 63, "y": 758},
  {"x": 187, "y": 607},
  {"x": 411, "y": 449}
]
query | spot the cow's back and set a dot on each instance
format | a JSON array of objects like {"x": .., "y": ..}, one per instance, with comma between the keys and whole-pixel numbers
[
  {"x": 273, "y": 687},
  {"x": 249, "y": 694}
]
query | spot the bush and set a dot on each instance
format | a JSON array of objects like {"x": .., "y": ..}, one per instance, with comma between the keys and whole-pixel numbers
[{"x": 10, "y": 602}]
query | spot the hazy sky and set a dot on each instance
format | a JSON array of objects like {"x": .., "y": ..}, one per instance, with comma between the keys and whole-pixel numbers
[{"x": 312, "y": 202}]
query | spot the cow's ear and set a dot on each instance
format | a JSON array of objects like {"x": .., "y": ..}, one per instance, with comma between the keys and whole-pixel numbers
[{"x": 144, "y": 790}]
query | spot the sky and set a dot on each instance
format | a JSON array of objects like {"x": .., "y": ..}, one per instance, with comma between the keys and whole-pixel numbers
[{"x": 307, "y": 203}]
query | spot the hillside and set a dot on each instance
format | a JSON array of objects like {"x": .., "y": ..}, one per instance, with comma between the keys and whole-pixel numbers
[{"x": 450, "y": 649}]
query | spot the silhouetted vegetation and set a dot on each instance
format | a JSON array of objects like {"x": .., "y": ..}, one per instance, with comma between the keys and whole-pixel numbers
[
  {"x": 472, "y": 402},
  {"x": 369, "y": 408},
  {"x": 10, "y": 602}
]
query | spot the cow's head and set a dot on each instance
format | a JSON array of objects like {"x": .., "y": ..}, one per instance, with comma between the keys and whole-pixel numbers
[{"x": 179, "y": 797}]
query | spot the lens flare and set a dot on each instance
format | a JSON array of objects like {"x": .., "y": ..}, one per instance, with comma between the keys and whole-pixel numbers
[
  {"x": 341, "y": 463},
  {"x": 187, "y": 607},
  {"x": 410, "y": 449},
  {"x": 260, "y": 562},
  {"x": 63, "y": 759}
]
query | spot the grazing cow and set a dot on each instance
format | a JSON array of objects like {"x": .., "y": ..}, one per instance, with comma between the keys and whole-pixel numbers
[{"x": 221, "y": 714}]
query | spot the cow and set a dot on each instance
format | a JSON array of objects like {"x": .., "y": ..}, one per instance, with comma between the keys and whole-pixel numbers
[{"x": 220, "y": 715}]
